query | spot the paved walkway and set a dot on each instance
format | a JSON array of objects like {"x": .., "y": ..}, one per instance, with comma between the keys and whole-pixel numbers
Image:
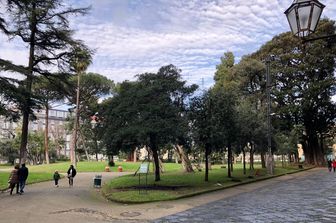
[
  {"x": 306, "y": 198},
  {"x": 299, "y": 198}
]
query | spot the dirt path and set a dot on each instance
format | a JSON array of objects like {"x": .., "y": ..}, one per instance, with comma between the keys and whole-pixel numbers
[{"x": 44, "y": 203}]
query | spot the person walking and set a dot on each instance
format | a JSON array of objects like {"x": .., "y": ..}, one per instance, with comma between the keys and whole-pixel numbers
[
  {"x": 23, "y": 175},
  {"x": 56, "y": 178},
  {"x": 334, "y": 165},
  {"x": 14, "y": 179},
  {"x": 71, "y": 174},
  {"x": 329, "y": 165}
]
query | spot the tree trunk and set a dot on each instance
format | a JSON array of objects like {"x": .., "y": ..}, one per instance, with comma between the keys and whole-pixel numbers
[
  {"x": 184, "y": 159},
  {"x": 59, "y": 148},
  {"x": 316, "y": 151},
  {"x": 84, "y": 147},
  {"x": 309, "y": 158},
  {"x": 289, "y": 158},
  {"x": 244, "y": 162},
  {"x": 135, "y": 155},
  {"x": 46, "y": 134},
  {"x": 322, "y": 148},
  {"x": 229, "y": 161},
  {"x": 29, "y": 81},
  {"x": 110, "y": 158},
  {"x": 75, "y": 134},
  {"x": 72, "y": 146},
  {"x": 263, "y": 163},
  {"x": 224, "y": 158},
  {"x": 157, "y": 163},
  {"x": 251, "y": 157},
  {"x": 154, "y": 149},
  {"x": 86, "y": 154},
  {"x": 206, "y": 178},
  {"x": 24, "y": 137},
  {"x": 232, "y": 160}
]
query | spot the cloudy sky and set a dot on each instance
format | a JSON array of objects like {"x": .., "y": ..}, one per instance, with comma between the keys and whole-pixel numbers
[{"x": 137, "y": 36}]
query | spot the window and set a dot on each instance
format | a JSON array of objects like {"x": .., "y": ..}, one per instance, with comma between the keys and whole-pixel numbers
[{"x": 52, "y": 113}]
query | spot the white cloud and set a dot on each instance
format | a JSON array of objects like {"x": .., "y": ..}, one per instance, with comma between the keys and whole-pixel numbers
[{"x": 192, "y": 35}]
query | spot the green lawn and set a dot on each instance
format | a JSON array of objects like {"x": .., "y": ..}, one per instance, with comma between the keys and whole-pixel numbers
[
  {"x": 123, "y": 189},
  {"x": 45, "y": 172},
  {"x": 39, "y": 173},
  {"x": 94, "y": 167},
  {"x": 32, "y": 178}
]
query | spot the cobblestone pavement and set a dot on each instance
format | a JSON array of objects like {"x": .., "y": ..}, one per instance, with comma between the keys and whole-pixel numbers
[{"x": 308, "y": 199}]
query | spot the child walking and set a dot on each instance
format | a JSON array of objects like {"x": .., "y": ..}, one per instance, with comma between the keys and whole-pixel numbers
[{"x": 56, "y": 178}]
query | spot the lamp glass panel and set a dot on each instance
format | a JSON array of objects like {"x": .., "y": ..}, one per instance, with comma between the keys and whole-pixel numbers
[
  {"x": 315, "y": 17},
  {"x": 291, "y": 16},
  {"x": 304, "y": 13}
]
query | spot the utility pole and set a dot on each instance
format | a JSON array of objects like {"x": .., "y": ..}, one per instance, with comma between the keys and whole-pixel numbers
[{"x": 270, "y": 161}]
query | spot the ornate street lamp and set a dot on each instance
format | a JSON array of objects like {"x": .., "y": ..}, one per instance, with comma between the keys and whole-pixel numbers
[{"x": 303, "y": 16}]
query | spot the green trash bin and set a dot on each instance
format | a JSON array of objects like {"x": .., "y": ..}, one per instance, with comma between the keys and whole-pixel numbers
[{"x": 97, "y": 180}]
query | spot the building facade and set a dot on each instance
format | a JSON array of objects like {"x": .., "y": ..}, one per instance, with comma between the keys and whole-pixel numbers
[{"x": 57, "y": 120}]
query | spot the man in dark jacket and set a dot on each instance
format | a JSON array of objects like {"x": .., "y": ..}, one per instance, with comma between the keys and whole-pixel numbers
[{"x": 23, "y": 175}]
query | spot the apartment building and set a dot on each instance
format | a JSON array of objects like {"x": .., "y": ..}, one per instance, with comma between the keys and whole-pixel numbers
[{"x": 56, "y": 127}]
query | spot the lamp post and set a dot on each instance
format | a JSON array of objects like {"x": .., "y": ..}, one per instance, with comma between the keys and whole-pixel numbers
[
  {"x": 303, "y": 17},
  {"x": 270, "y": 161}
]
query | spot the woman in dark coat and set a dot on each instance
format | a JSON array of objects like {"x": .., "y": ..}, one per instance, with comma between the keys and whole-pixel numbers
[
  {"x": 14, "y": 179},
  {"x": 71, "y": 174}
]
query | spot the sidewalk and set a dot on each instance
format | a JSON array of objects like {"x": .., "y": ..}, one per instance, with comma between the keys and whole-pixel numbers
[{"x": 44, "y": 203}]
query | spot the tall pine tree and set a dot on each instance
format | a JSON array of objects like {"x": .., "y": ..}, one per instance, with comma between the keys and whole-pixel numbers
[{"x": 43, "y": 26}]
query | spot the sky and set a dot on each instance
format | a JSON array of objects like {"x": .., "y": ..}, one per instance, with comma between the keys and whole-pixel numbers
[{"x": 137, "y": 36}]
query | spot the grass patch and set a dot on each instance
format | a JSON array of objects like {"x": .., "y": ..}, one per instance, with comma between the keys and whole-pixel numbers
[
  {"x": 44, "y": 172},
  {"x": 124, "y": 189},
  {"x": 93, "y": 167},
  {"x": 32, "y": 178}
]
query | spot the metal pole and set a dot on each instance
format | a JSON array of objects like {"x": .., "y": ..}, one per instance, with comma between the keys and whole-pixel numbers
[{"x": 269, "y": 127}]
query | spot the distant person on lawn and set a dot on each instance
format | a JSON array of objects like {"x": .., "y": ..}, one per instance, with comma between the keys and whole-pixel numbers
[
  {"x": 71, "y": 174},
  {"x": 14, "y": 179},
  {"x": 23, "y": 175},
  {"x": 56, "y": 178}
]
